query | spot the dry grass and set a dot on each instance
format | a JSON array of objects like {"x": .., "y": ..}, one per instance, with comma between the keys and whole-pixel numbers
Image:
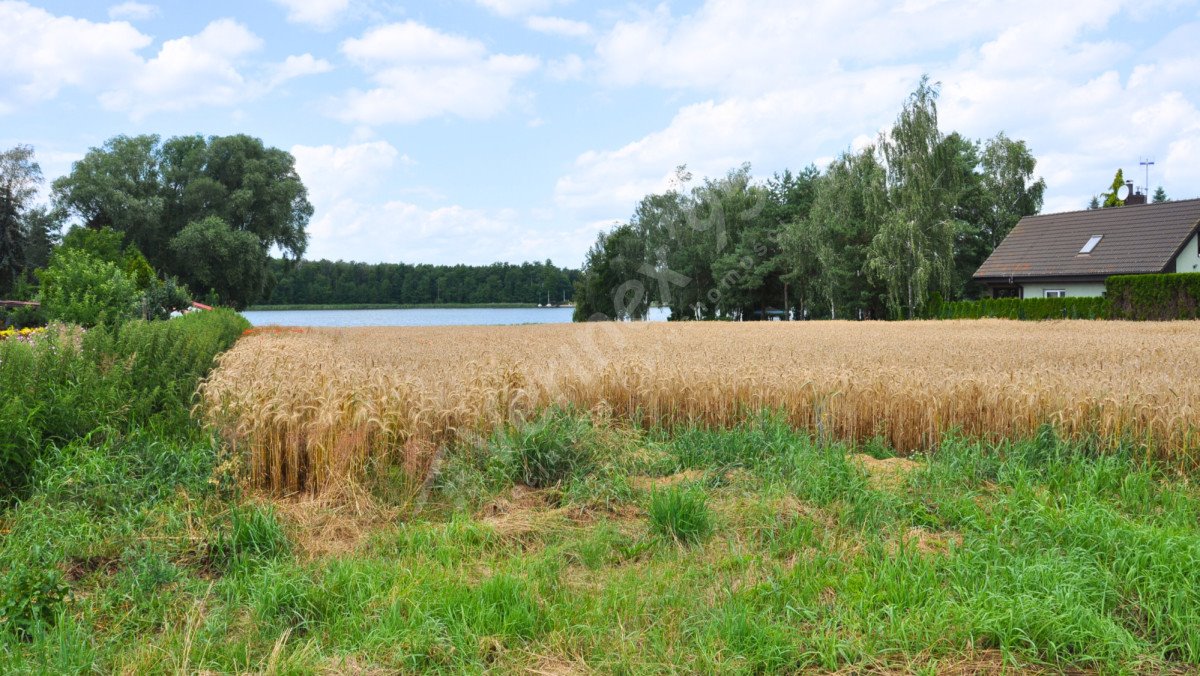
[{"x": 317, "y": 407}]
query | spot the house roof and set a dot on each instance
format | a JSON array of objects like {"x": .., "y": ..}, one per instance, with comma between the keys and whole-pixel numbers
[{"x": 1134, "y": 239}]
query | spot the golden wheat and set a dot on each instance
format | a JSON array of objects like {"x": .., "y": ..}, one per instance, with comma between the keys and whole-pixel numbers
[{"x": 316, "y": 407}]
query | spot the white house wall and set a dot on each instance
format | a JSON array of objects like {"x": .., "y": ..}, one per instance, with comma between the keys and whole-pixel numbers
[
  {"x": 1074, "y": 290},
  {"x": 1188, "y": 260}
]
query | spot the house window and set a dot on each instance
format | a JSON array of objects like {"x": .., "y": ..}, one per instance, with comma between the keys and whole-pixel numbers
[
  {"x": 1091, "y": 244},
  {"x": 1056, "y": 293}
]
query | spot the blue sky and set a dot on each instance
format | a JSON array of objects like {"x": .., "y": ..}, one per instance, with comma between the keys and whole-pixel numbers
[{"x": 481, "y": 130}]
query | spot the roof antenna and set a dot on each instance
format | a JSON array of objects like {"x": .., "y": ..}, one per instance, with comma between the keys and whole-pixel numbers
[{"x": 1147, "y": 163}]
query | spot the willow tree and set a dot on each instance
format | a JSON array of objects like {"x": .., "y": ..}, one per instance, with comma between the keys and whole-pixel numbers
[
  {"x": 913, "y": 252},
  {"x": 20, "y": 177}
]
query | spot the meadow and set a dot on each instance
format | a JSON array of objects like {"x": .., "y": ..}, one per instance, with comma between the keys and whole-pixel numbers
[{"x": 606, "y": 499}]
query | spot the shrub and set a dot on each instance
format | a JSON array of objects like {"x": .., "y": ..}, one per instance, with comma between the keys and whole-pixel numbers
[
  {"x": 681, "y": 513},
  {"x": 31, "y": 594},
  {"x": 1022, "y": 308},
  {"x": 552, "y": 449},
  {"x": 1154, "y": 297},
  {"x": 79, "y": 288},
  {"x": 65, "y": 385}
]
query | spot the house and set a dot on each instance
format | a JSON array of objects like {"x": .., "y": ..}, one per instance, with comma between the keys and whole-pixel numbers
[{"x": 1072, "y": 253}]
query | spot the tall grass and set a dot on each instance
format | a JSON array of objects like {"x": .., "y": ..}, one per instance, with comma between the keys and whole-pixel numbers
[
  {"x": 68, "y": 384},
  {"x": 315, "y": 408}
]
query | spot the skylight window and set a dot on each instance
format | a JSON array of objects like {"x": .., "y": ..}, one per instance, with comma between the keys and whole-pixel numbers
[{"x": 1091, "y": 244}]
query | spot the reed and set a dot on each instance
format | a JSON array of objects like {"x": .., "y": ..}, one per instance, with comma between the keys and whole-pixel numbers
[{"x": 319, "y": 407}]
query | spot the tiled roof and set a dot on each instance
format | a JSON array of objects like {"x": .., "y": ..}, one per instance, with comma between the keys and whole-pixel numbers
[{"x": 1135, "y": 239}]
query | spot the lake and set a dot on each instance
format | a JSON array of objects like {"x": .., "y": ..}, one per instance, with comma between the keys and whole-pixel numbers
[{"x": 424, "y": 317}]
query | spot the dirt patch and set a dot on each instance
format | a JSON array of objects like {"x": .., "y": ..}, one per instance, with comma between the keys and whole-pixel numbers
[
  {"x": 649, "y": 483},
  {"x": 886, "y": 474},
  {"x": 79, "y": 568},
  {"x": 332, "y": 525},
  {"x": 557, "y": 666},
  {"x": 931, "y": 542},
  {"x": 525, "y": 511}
]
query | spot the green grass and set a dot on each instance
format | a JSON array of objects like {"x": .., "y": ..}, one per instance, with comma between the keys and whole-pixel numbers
[{"x": 681, "y": 514}]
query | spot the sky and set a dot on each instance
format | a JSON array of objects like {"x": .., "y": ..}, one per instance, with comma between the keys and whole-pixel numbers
[{"x": 475, "y": 131}]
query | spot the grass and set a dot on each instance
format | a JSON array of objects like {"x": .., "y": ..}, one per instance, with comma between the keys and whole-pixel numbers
[{"x": 800, "y": 555}]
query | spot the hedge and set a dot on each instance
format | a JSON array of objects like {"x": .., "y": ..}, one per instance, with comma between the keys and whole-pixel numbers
[
  {"x": 1154, "y": 297},
  {"x": 1027, "y": 308}
]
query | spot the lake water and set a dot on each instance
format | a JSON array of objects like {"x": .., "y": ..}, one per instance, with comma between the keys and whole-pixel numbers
[{"x": 430, "y": 317}]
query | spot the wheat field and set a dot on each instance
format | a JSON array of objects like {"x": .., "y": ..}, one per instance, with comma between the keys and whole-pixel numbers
[{"x": 314, "y": 407}]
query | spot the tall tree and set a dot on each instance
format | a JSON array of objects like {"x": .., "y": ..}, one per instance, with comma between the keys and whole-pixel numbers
[
  {"x": 913, "y": 253},
  {"x": 20, "y": 176},
  {"x": 613, "y": 285},
  {"x": 1112, "y": 198},
  {"x": 164, "y": 196},
  {"x": 1160, "y": 195}
]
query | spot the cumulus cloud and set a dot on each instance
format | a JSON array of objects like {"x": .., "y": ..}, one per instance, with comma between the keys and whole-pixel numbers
[
  {"x": 351, "y": 219},
  {"x": 781, "y": 83},
  {"x": 321, "y": 14},
  {"x": 40, "y": 54},
  {"x": 555, "y": 25},
  {"x": 420, "y": 72},
  {"x": 133, "y": 11},
  {"x": 517, "y": 7}
]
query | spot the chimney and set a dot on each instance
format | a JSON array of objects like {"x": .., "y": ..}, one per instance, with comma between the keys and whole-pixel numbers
[{"x": 1135, "y": 197}]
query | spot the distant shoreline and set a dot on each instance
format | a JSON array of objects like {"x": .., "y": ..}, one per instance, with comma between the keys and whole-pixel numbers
[{"x": 392, "y": 306}]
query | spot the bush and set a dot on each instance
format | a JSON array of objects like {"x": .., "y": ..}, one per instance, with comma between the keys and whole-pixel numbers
[
  {"x": 681, "y": 513},
  {"x": 552, "y": 449},
  {"x": 1022, "y": 308},
  {"x": 31, "y": 594},
  {"x": 79, "y": 288},
  {"x": 66, "y": 385},
  {"x": 1154, "y": 297}
]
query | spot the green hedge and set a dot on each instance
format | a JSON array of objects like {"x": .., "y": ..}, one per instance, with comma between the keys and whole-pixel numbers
[
  {"x": 1027, "y": 308},
  {"x": 101, "y": 383},
  {"x": 1154, "y": 297}
]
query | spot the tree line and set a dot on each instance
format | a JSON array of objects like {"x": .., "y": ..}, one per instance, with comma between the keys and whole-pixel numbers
[
  {"x": 878, "y": 233},
  {"x": 326, "y": 282}
]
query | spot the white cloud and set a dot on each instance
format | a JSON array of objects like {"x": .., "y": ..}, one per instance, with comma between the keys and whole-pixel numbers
[
  {"x": 517, "y": 7},
  {"x": 410, "y": 42},
  {"x": 190, "y": 71},
  {"x": 133, "y": 11},
  {"x": 297, "y": 66},
  {"x": 570, "y": 67},
  {"x": 322, "y": 14},
  {"x": 41, "y": 53},
  {"x": 784, "y": 82},
  {"x": 332, "y": 173},
  {"x": 558, "y": 26},
  {"x": 420, "y": 73},
  {"x": 350, "y": 219}
]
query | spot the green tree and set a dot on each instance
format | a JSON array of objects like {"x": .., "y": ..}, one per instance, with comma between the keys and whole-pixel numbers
[
  {"x": 913, "y": 252},
  {"x": 20, "y": 176},
  {"x": 1160, "y": 195},
  {"x": 229, "y": 262},
  {"x": 43, "y": 231},
  {"x": 612, "y": 286},
  {"x": 79, "y": 288},
  {"x": 157, "y": 192},
  {"x": 1112, "y": 198}
]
